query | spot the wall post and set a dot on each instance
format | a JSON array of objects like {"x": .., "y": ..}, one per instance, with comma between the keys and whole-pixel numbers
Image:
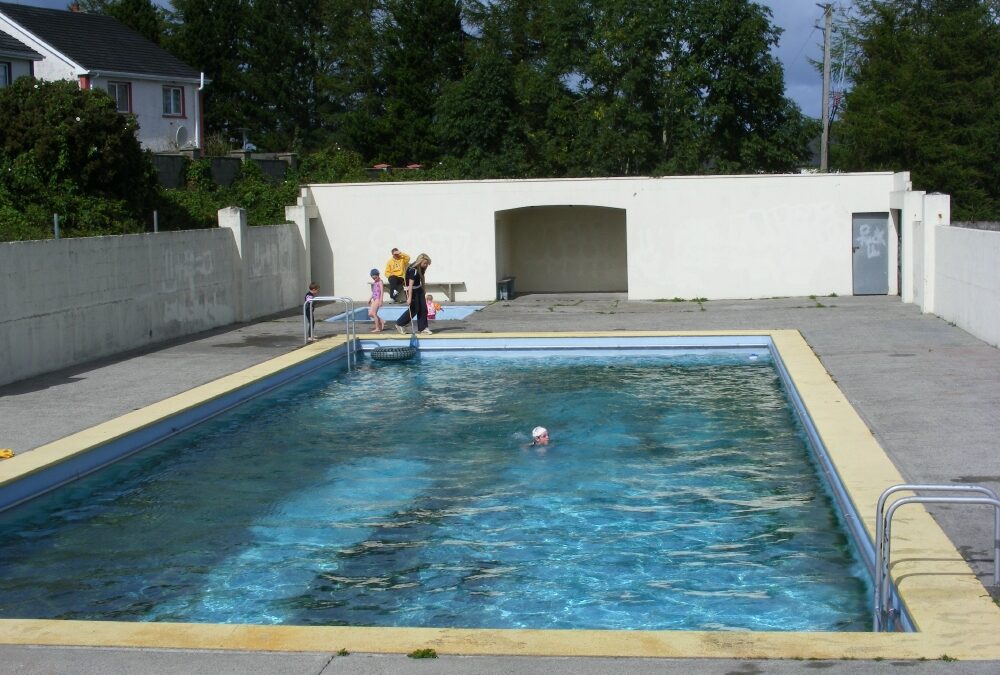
[
  {"x": 299, "y": 215},
  {"x": 937, "y": 212},
  {"x": 303, "y": 214},
  {"x": 235, "y": 219}
]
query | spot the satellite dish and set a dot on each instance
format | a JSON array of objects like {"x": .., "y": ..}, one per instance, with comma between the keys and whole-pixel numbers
[{"x": 181, "y": 136}]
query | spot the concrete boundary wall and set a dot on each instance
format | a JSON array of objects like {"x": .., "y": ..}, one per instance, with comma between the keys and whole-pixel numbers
[
  {"x": 967, "y": 280},
  {"x": 68, "y": 301},
  {"x": 953, "y": 272}
]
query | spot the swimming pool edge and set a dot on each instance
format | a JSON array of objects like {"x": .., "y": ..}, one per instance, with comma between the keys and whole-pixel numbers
[{"x": 952, "y": 610}]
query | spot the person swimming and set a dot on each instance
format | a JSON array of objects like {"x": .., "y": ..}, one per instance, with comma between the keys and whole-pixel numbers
[{"x": 539, "y": 436}]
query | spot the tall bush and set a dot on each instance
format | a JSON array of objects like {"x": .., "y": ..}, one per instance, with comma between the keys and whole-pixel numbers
[{"x": 68, "y": 151}]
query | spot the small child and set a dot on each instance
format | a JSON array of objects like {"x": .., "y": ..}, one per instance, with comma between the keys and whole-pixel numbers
[
  {"x": 432, "y": 307},
  {"x": 375, "y": 301},
  {"x": 310, "y": 319}
]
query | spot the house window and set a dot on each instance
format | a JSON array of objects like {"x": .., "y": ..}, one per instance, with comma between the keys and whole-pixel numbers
[
  {"x": 173, "y": 101},
  {"x": 4, "y": 74},
  {"x": 121, "y": 92}
]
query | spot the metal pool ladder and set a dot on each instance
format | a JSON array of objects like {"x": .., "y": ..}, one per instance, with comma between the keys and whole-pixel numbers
[
  {"x": 884, "y": 614},
  {"x": 350, "y": 329}
]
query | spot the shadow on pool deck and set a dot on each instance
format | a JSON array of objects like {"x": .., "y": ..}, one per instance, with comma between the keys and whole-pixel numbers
[{"x": 927, "y": 390}]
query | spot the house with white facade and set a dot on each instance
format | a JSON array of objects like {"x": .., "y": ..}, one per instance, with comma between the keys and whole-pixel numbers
[
  {"x": 16, "y": 59},
  {"x": 159, "y": 90}
]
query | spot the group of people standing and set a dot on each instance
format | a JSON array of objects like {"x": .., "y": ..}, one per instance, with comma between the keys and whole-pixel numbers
[{"x": 406, "y": 284}]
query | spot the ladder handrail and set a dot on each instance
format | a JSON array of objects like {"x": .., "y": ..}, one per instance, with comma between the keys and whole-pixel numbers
[
  {"x": 883, "y": 536},
  {"x": 350, "y": 328}
]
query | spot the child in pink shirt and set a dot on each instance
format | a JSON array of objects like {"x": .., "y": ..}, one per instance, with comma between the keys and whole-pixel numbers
[
  {"x": 432, "y": 307},
  {"x": 376, "y": 301}
]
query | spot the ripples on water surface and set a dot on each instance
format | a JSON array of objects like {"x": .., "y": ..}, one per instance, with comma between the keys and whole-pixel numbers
[{"x": 677, "y": 494}]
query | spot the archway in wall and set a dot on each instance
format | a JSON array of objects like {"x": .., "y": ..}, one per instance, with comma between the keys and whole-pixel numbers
[{"x": 563, "y": 249}]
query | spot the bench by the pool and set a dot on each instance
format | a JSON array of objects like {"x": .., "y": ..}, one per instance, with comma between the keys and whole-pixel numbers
[{"x": 448, "y": 287}]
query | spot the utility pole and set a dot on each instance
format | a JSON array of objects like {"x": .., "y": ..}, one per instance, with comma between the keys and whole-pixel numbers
[{"x": 825, "y": 141}]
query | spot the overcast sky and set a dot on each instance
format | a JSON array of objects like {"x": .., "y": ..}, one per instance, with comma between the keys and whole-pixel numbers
[{"x": 800, "y": 42}]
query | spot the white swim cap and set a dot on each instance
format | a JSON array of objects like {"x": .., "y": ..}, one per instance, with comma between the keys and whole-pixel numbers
[{"x": 538, "y": 431}]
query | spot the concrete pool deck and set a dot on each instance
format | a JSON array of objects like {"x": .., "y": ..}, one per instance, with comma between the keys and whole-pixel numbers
[{"x": 927, "y": 390}]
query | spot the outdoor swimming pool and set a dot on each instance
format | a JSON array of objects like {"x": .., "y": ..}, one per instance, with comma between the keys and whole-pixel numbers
[{"x": 679, "y": 493}]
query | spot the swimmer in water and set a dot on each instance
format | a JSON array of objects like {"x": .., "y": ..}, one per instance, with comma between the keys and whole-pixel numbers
[{"x": 539, "y": 436}]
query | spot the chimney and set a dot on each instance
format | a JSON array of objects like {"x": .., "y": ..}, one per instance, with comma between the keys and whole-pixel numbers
[{"x": 75, "y": 7}]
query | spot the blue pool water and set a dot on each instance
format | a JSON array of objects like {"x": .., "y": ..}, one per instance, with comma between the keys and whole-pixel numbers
[
  {"x": 393, "y": 312},
  {"x": 678, "y": 493}
]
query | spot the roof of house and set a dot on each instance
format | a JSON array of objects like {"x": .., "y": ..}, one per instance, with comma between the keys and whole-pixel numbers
[
  {"x": 10, "y": 46},
  {"x": 97, "y": 42}
]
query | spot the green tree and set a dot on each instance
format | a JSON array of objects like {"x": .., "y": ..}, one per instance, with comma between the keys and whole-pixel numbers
[
  {"x": 423, "y": 55},
  {"x": 210, "y": 35},
  {"x": 142, "y": 16},
  {"x": 685, "y": 86},
  {"x": 332, "y": 165},
  {"x": 925, "y": 99},
  {"x": 525, "y": 53},
  {"x": 623, "y": 79},
  {"x": 279, "y": 63},
  {"x": 475, "y": 118},
  {"x": 747, "y": 121},
  {"x": 350, "y": 84},
  {"x": 67, "y": 151}
]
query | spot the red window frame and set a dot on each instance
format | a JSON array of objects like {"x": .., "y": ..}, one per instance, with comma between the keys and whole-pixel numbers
[
  {"x": 171, "y": 113},
  {"x": 128, "y": 95}
]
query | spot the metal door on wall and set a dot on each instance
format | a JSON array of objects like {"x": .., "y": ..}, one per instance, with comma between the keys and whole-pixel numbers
[{"x": 870, "y": 253}]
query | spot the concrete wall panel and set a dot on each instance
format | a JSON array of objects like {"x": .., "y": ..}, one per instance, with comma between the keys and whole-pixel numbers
[
  {"x": 67, "y": 301},
  {"x": 967, "y": 285},
  {"x": 273, "y": 269}
]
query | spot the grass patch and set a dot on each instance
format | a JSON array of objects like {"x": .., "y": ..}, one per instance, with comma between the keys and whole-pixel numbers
[{"x": 423, "y": 654}]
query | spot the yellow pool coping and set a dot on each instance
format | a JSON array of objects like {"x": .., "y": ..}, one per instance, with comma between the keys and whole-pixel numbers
[{"x": 954, "y": 614}]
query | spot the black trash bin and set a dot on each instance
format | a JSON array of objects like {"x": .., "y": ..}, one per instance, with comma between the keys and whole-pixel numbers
[{"x": 505, "y": 288}]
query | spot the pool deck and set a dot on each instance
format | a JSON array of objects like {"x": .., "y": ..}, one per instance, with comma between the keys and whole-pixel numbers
[{"x": 928, "y": 391}]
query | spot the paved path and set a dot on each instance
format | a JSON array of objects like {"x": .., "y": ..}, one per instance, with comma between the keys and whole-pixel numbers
[{"x": 929, "y": 391}]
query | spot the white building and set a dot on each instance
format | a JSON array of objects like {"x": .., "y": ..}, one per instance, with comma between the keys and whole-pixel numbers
[
  {"x": 16, "y": 59},
  {"x": 714, "y": 237},
  {"x": 147, "y": 82}
]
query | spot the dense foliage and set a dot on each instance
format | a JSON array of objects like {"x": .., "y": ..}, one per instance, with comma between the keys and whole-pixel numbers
[
  {"x": 926, "y": 98},
  {"x": 499, "y": 88},
  {"x": 142, "y": 16},
  {"x": 67, "y": 151}
]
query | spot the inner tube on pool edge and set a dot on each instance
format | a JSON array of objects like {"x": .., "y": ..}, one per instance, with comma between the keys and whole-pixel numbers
[{"x": 394, "y": 353}]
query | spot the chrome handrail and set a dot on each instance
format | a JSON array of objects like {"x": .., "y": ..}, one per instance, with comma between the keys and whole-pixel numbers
[
  {"x": 882, "y": 609},
  {"x": 350, "y": 327}
]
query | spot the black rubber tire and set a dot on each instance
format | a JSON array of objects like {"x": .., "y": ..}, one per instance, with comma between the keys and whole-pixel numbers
[{"x": 393, "y": 353}]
